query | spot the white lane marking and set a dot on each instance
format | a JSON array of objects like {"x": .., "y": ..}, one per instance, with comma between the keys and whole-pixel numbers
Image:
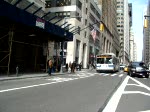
[
  {"x": 106, "y": 75},
  {"x": 113, "y": 74},
  {"x": 56, "y": 80},
  {"x": 61, "y": 79},
  {"x": 140, "y": 84},
  {"x": 133, "y": 85},
  {"x": 113, "y": 103},
  {"x": 120, "y": 75},
  {"x": 145, "y": 111},
  {"x": 95, "y": 73},
  {"x": 1, "y": 91},
  {"x": 136, "y": 92}
]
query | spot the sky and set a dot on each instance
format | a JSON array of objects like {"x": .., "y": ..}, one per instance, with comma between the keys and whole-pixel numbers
[{"x": 138, "y": 11}]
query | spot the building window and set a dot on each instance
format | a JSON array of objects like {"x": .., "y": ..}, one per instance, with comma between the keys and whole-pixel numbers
[
  {"x": 63, "y": 14},
  {"x": 85, "y": 21},
  {"x": 60, "y": 3},
  {"x": 86, "y": 11},
  {"x": 92, "y": 18},
  {"x": 79, "y": 4},
  {"x": 48, "y": 4},
  {"x": 85, "y": 34},
  {"x": 77, "y": 16}
]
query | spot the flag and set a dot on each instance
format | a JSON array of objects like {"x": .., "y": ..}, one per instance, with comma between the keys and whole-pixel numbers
[{"x": 93, "y": 33}]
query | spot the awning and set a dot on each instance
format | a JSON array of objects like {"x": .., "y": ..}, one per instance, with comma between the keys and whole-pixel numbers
[{"x": 10, "y": 14}]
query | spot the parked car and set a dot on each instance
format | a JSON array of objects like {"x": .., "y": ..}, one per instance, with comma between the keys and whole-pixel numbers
[{"x": 138, "y": 68}]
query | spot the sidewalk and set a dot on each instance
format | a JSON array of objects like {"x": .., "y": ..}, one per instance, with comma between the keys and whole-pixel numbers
[
  {"x": 25, "y": 76},
  {"x": 32, "y": 75}
]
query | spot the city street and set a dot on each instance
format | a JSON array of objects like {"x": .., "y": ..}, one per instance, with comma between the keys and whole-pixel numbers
[{"x": 84, "y": 91}]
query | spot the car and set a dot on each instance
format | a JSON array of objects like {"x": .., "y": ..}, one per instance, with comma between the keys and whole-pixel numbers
[
  {"x": 138, "y": 69},
  {"x": 122, "y": 66},
  {"x": 126, "y": 69}
]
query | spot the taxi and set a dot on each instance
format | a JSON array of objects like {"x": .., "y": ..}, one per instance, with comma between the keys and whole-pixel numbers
[{"x": 126, "y": 69}]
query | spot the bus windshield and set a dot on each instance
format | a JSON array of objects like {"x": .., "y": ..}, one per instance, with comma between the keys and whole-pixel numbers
[{"x": 104, "y": 60}]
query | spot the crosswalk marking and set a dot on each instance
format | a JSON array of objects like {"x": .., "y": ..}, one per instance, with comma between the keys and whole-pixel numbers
[
  {"x": 113, "y": 74},
  {"x": 105, "y": 74},
  {"x": 82, "y": 75},
  {"x": 120, "y": 75}
]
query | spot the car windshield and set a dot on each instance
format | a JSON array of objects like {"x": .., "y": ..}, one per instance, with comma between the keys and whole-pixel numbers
[{"x": 138, "y": 64}]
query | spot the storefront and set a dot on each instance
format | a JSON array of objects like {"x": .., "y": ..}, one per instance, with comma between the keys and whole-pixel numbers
[{"x": 23, "y": 37}]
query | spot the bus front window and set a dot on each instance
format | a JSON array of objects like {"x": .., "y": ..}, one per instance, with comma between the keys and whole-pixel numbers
[
  {"x": 108, "y": 61},
  {"x": 100, "y": 60}
]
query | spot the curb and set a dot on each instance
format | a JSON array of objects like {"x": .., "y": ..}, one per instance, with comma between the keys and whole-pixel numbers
[{"x": 26, "y": 77}]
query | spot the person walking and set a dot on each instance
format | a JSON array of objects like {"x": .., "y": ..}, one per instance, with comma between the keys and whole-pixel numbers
[
  {"x": 50, "y": 66},
  {"x": 70, "y": 68},
  {"x": 73, "y": 67}
]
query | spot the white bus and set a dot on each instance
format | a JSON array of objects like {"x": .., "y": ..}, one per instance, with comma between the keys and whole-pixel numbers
[{"x": 107, "y": 62}]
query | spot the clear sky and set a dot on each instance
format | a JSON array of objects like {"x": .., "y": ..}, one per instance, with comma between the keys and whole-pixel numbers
[{"x": 138, "y": 10}]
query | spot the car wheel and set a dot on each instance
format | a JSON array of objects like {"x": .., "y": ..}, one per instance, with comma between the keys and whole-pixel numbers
[
  {"x": 130, "y": 74},
  {"x": 147, "y": 76}
]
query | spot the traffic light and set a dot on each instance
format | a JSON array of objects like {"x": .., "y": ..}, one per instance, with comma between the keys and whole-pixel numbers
[
  {"x": 145, "y": 23},
  {"x": 101, "y": 27}
]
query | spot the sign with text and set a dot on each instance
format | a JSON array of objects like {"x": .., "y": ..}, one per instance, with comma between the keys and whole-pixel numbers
[{"x": 40, "y": 23}]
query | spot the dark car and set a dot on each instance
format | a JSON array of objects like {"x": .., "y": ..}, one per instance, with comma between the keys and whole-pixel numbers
[{"x": 138, "y": 68}]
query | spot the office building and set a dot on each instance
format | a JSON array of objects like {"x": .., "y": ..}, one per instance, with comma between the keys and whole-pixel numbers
[
  {"x": 146, "y": 35},
  {"x": 123, "y": 25},
  {"x": 110, "y": 36},
  {"x": 84, "y": 15}
]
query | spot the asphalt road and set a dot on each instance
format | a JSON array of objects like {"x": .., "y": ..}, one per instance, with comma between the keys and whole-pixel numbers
[{"x": 81, "y": 92}]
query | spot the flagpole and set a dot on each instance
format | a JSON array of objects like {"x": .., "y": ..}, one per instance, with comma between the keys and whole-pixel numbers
[{"x": 94, "y": 52}]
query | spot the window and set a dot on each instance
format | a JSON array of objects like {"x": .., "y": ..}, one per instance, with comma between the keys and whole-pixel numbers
[
  {"x": 79, "y": 4},
  {"x": 85, "y": 21},
  {"x": 47, "y": 4},
  {"x": 60, "y": 3},
  {"x": 63, "y": 14},
  {"x": 86, "y": 10},
  {"x": 85, "y": 34}
]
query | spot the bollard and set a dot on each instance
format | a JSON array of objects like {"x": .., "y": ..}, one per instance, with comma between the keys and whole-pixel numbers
[{"x": 17, "y": 70}]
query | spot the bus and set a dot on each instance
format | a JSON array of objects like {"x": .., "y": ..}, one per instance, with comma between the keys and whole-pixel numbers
[{"x": 107, "y": 62}]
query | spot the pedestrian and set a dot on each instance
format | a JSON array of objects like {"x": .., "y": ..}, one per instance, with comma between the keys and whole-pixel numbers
[
  {"x": 66, "y": 67},
  {"x": 50, "y": 67},
  {"x": 80, "y": 65},
  {"x": 70, "y": 68},
  {"x": 92, "y": 65},
  {"x": 73, "y": 66}
]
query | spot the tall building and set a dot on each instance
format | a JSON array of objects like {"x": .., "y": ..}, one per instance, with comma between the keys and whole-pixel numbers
[
  {"x": 131, "y": 46},
  {"x": 123, "y": 29},
  {"x": 135, "y": 52},
  {"x": 146, "y": 39},
  {"x": 131, "y": 36},
  {"x": 110, "y": 36},
  {"x": 86, "y": 16}
]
